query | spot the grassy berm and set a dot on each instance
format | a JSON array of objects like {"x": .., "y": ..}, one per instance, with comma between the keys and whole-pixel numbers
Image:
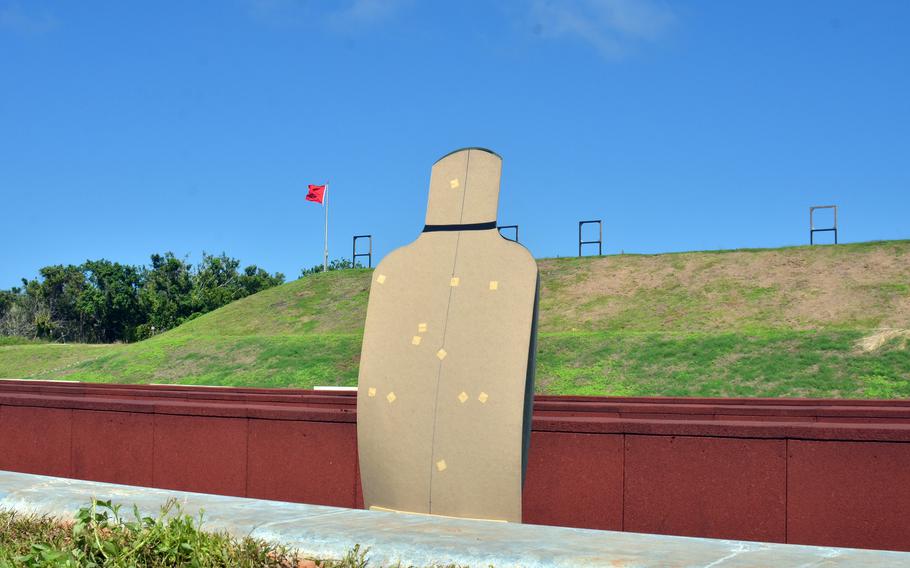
[{"x": 824, "y": 321}]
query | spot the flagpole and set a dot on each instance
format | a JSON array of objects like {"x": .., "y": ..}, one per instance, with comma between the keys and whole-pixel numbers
[{"x": 325, "y": 250}]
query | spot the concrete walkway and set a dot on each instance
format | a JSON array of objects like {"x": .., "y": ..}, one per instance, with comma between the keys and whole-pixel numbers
[{"x": 329, "y": 532}]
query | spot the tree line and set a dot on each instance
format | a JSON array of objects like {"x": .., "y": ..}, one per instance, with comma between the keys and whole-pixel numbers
[{"x": 104, "y": 301}]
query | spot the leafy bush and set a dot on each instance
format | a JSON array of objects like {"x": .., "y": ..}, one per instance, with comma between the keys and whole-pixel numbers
[
  {"x": 100, "y": 537},
  {"x": 336, "y": 264},
  {"x": 104, "y": 301}
]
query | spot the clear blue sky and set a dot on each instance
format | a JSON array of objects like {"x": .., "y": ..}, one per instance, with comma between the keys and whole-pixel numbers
[{"x": 128, "y": 129}]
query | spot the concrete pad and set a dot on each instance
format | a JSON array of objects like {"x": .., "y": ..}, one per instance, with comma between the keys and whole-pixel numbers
[{"x": 425, "y": 540}]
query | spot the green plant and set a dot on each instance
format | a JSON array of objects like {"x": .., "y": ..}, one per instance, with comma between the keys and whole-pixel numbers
[
  {"x": 334, "y": 264},
  {"x": 100, "y": 536}
]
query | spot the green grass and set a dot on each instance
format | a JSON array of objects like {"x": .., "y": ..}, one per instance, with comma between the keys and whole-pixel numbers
[
  {"x": 255, "y": 360},
  {"x": 759, "y": 364},
  {"x": 52, "y": 359},
  {"x": 7, "y": 340},
  {"x": 756, "y": 322}
]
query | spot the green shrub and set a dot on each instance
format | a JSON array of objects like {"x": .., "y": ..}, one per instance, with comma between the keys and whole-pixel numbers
[{"x": 100, "y": 536}]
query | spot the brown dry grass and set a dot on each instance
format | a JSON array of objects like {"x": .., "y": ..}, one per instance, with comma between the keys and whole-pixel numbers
[
  {"x": 797, "y": 288},
  {"x": 881, "y": 337}
]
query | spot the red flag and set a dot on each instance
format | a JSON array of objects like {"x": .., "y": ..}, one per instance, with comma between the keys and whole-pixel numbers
[{"x": 315, "y": 194}]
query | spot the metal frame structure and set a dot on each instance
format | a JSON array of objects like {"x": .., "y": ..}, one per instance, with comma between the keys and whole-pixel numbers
[
  {"x": 600, "y": 236},
  {"x": 813, "y": 230},
  {"x": 368, "y": 254},
  {"x": 501, "y": 227}
]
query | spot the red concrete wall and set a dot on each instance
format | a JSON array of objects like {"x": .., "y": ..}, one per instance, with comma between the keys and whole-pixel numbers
[
  {"x": 714, "y": 487},
  {"x": 801, "y": 471}
]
